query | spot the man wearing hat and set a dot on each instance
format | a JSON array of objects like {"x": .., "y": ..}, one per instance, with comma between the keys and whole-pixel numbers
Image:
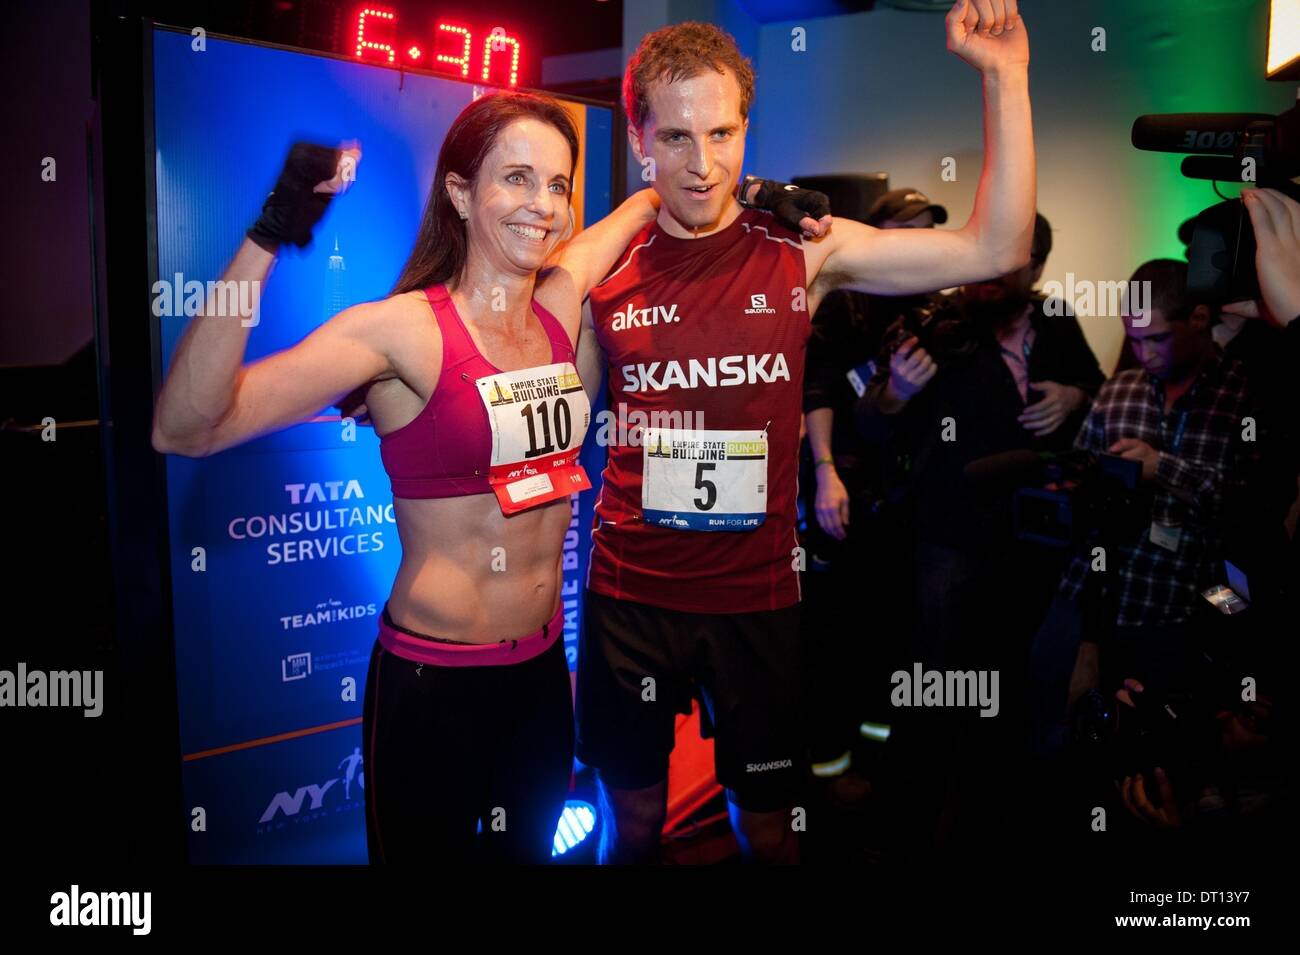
[{"x": 906, "y": 209}]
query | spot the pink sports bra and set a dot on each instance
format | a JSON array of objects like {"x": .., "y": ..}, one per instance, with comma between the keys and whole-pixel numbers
[{"x": 446, "y": 450}]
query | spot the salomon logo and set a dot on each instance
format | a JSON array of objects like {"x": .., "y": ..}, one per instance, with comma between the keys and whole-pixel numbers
[{"x": 758, "y": 306}]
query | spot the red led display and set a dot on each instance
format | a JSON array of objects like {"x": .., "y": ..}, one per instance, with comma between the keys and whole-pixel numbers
[
  {"x": 461, "y": 39},
  {"x": 453, "y": 48},
  {"x": 504, "y": 44},
  {"x": 373, "y": 15}
]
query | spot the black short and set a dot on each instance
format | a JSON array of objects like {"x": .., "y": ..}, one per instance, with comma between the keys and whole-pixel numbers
[
  {"x": 748, "y": 668},
  {"x": 466, "y": 764}
]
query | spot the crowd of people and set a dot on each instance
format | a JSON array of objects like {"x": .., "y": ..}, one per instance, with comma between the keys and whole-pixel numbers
[{"x": 911, "y": 533}]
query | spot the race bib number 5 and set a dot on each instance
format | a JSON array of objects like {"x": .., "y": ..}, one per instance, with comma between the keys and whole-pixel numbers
[
  {"x": 704, "y": 480},
  {"x": 538, "y": 417}
]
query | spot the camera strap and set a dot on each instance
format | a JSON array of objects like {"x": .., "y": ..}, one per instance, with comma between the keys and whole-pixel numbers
[
  {"x": 1179, "y": 429},
  {"x": 1163, "y": 535}
]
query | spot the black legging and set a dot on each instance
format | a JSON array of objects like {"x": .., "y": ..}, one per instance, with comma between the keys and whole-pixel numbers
[{"x": 448, "y": 750}]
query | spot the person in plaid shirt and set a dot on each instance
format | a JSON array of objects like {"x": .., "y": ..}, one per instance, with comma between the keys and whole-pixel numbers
[{"x": 1183, "y": 414}]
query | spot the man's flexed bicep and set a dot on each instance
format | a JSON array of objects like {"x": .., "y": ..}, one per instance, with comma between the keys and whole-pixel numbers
[{"x": 905, "y": 261}]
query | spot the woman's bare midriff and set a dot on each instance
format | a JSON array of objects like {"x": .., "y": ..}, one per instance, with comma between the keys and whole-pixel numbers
[{"x": 470, "y": 573}]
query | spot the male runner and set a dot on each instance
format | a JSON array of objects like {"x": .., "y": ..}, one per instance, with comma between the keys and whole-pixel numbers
[{"x": 693, "y": 583}]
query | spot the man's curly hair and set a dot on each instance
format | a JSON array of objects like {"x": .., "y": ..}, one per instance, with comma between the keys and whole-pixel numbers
[{"x": 680, "y": 52}]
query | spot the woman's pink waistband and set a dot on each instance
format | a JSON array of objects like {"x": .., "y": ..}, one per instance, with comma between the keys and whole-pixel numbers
[{"x": 422, "y": 649}]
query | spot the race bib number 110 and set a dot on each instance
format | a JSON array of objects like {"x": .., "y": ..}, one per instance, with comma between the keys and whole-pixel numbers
[
  {"x": 704, "y": 480},
  {"x": 538, "y": 417}
]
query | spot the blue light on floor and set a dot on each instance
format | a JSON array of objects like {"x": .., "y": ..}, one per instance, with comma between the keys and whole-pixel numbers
[{"x": 576, "y": 823}]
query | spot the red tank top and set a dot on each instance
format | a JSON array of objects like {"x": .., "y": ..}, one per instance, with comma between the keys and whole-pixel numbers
[
  {"x": 701, "y": 517},
  {"x": 446, "y": 450}
]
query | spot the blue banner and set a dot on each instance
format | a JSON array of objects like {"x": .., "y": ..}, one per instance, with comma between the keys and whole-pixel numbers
[{"x": 283, "y": 550}]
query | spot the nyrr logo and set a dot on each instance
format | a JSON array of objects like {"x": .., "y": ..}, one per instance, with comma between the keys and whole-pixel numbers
[
  {"x": 313, "y": 795},
  {"x": 758, "y": 306},
  {"x": 631, "y": 317}
]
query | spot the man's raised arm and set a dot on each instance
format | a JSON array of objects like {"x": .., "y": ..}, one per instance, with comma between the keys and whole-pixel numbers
[{"x": 990, "y": 36}]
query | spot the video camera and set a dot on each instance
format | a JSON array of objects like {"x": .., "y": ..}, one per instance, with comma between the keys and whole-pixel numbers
[
  {"x": 1066, "y": 499},
  {"x": 1173, "y": 731},
  {"x": 1257, "y": 148},
  {"x": 1177, "y": 729}
]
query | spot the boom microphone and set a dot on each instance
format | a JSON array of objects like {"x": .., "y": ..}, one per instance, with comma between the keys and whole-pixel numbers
[{"x": 1205, "y": 133}]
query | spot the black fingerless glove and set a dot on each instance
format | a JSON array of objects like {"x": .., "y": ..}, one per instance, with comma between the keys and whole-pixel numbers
[
  {"x": 788, "y": 203},
  {"x": 292, "y": 209}
]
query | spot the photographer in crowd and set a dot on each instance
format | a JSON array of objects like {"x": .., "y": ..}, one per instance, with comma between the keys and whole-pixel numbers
[
  {"x": 1188, "y": 749},
  {"x": 1275, "y": 218},
  {"x": 850, "y": 537},
  {"x": 989, "y": 372},
  {"x": 1238, "y": 789},
  {"x": 1276, "y": 221},
  {"x": 1189, "y": 416}
]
